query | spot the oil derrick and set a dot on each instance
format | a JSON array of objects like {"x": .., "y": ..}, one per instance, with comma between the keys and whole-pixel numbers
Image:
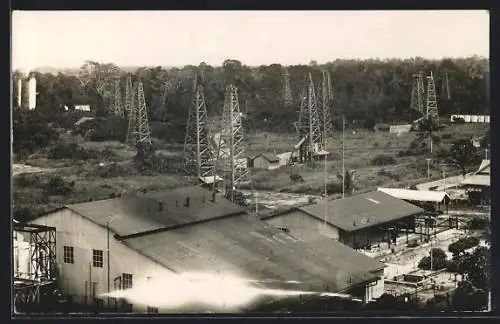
[
  {"x": 418, "y": 93},
  {"x": 445, "y": 86},
  {"x": 117, "y": 100},
  {"x": 432, "y": 108},
  {"x": 197, "y": 149},
  {"x": 325, "y": 116},
  {"x": 231, "y": 149},
  {"x": 129, "y": 97},
  {"x": 138, "y": 126},
  {"x": 132, "y": 114},
  {"x": 309, "y": 126},
  {"x": 166, "y": 89},
  {"x": 287, "y": 90}
]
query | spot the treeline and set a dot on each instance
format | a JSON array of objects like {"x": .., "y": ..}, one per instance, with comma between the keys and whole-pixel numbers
[{"x": 366, "y": 91}]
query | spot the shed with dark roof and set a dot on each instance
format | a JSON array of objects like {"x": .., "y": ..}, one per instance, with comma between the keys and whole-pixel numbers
[
  {"x": 358, "y": 221},
  {"x": 265, "y": 161}
]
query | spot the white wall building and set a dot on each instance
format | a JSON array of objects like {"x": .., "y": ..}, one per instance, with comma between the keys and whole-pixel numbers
[{"x": 184, "y": 230}]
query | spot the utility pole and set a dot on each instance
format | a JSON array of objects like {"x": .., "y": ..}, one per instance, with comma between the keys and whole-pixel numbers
[
  {"x": 428, "y": 168},
  {"x": 198, "y": 160},
  {"x": 343, "y": 164}
]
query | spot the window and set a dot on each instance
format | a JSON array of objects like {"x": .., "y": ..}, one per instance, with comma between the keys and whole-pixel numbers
[
  {"x": 97, "y": 258},
  {"x": 68, "y": 255},
  {"x": 127, "y": 281},
  {"x": 152, "y": 310}
]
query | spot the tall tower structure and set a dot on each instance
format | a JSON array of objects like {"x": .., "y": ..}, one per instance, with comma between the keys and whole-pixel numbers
[
  {"x": 129, "y": 97},
  {"x": 445, "y": 86},
  {"x": 117, "y": 99},
  {"x": 19, "y": 92},
  {"x": 287, "y": 90},
  {"x": 32, "y": 93},
  {"x": 309, "y": 126},
  {"x": 231, "y": 149},
  {"x": 143, "y": 131},
  {"x": 198, "y": 159},
  {"x": 432, "y": 108},
  {"x": 325, "y": 116},
  {"x": 418, "y": 93}
]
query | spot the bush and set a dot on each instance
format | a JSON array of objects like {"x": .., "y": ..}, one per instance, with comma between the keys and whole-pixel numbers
[
  {"x": 478, "y": 224},
  {"x": 438, "y": 261},
  {"x": 463, "y": 244},
  {"x": 413, "y": 244},
  {"x": 383, "y": 159},
  {"x": 57, "y": 186},
  {"x": 390, "y": 175},
  {"x": 73, "y": 152}
]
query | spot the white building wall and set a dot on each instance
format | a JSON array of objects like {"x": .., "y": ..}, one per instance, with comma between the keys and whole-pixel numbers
[
  {"x": 304, "y": 226},
  {"x": 84, "y": 235},
  {"x": 373, "y": 292}
]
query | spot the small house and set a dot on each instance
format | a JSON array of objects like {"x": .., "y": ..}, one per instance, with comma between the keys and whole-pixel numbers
[{"x": 265, "y": 161}]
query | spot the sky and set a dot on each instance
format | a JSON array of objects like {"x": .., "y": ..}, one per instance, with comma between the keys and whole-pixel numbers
[{"x": 65, "y": 39}]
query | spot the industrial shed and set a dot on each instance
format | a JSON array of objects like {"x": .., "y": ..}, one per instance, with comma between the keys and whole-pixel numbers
[
  {"x": 121, "y": 243},
  {"x": 265, "y": 161},
  {"x": 357, "y": 221},
  {"x": 477, "y": 185},
  {"x": 427, "y": 199}
]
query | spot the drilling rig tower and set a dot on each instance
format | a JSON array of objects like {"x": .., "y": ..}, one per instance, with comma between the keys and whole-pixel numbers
[
  {"x": 326, "y": 103},
  {"x": 198, "y": 159},
  {"x": 117, "y": 100},
  {"x": 129, "y": 97},
  {"x": 287, "y": 90},
  {"x": 309, "y": 126},
  {"x": 231, "y": 146},
  {"x": 445, "y": 86},
  {"x": 418, "y": 93},
  {"x": 138, "y": 130},
  {"x": 432, "y": 108}
]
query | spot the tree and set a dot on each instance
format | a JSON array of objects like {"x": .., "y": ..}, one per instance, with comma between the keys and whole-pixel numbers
[
  {"x": 438, "y": 260},
  {"x": 350, "y": 180},
  {"x": 468, "y": 298},
  {"x": 463, "y": 154}
]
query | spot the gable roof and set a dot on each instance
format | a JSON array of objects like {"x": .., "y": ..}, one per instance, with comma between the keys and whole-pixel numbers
[
  {"x": 362, "y": 211},
  {"x": 484, "y": 168},
  {"x": 136, "y": 214},
  {"x": 482, "y": 180},
  {"x": 252, "y": 249},
  {"x": 416, "y": 195}
]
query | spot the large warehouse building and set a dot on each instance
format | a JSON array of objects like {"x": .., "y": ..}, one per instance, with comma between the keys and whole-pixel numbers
[
  {"x": 357, "y": 221},
  {"x": 123, "y": 243}
]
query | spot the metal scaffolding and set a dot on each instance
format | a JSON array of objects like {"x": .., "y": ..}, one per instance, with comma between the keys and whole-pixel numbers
[
  {"x": 287, "y": 90},
  {"x": 138, "y": 127},
  {"x": 41, "y": 271},
  {"x": 231, "y": 148},
  {"x": 432, "y": 108},
  {"x": 445, "y": 86},
  {"x": 309, "y": 126},
  {"x": 117, "y": 100},
  {"x": 418, "y": 93},
  {"x": 198, "y": 159},
  {"x": 129, "y": 97}
]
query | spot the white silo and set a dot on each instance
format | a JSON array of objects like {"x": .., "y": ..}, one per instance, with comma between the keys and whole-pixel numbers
[
  {"x": 19, "y": 92},
  {"x": 32, "y": 93}
]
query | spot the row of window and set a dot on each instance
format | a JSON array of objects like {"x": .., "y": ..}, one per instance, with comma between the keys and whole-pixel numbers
[{"x": 97, "y": 257}]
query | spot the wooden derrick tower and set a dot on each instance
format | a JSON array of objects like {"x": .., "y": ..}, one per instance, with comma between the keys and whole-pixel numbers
[
  {"x": 117, "y": 99},
  {"x": 309, "y": 125},
  {"x": 287, "y": 90},
  {"x": 326, "y": 105},
  {"x": 432, "y": 107},
  {"x": 198, "y": 159},
  {"x": 138, "y": 129},
  {"x": 418, "y": 93}
]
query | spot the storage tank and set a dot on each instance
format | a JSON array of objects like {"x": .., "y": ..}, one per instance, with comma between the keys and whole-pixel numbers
[
  {"x": 22, "y": 251},
  {"x": 32, "y": 93},
  {"x": 19, "y": 92}
]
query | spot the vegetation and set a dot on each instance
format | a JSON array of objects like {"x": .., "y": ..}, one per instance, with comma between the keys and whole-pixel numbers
[
  {"x": 459, "y": 247},
  {"x": 438, "y": 260}
]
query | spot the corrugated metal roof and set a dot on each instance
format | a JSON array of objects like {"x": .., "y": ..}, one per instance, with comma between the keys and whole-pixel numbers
[
  {"x": 252, "y": 249},
  {"x": 477, "y": 180},
  {"x": 135, "y": 214},
  {"x": 361, "y": 211},
  {"x": 415, "y": 195}
]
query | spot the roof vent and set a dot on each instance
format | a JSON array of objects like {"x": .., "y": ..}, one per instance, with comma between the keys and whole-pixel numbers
[{"x": 187, "y": 201}]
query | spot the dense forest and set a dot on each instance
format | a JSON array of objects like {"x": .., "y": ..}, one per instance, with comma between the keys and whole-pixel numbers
[{"x": 365, "y": 91}]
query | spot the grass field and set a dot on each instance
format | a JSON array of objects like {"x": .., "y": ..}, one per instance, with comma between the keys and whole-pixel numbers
[{"x": 116, "y": 175}]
